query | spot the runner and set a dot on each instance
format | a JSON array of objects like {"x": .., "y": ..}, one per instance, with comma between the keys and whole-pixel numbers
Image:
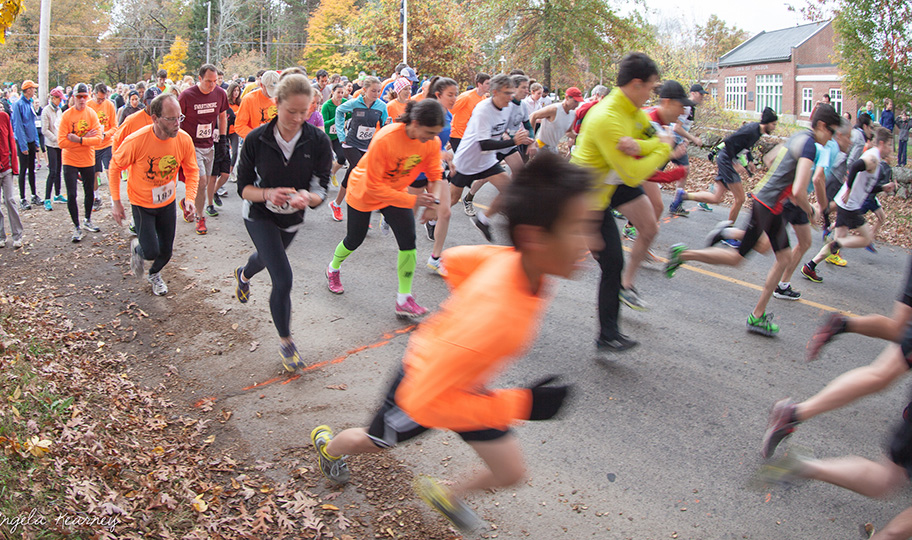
[
  {"x": 682, "y": 134},
  {"x": 378, "y": 183},
  {"x": 861, "y": 181},
  {"x": 367, "y": 114},
  {"x": 257, "y": 107},
  {"x": 78, "y": 133},
  {"x": 557, "y": 121},
  {"x": 787, "y": 178},
  {"x": 476, "y": 156},
  {"x": 50, "y": 122},
  {"x": 23, "y": 119},
  {"x": 618, "y": 177},
  {"x": 329, "y": 125},
  {"x": 727, "y": 178},
  {"x": 403, "y": 90},
  {"x": 284, "y": 169},
  {"x": 872, "y": 204},
  {"x": 152, "y": 156},
  {"x": 234, "y": 140},
  {"x": 534, "y": 100},
  {"x": 204, "y": 116},
  {"x": 9, "y": 167},
  {"x": 107, "y": 117},
  {"x": 598, "y": 93},
  {"x": 442, "y": 382},
  {"x": 465, "y": 104}
]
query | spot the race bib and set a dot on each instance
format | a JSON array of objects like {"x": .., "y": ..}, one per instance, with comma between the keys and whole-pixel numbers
[
  {"x": 163, "y": 194},
  {"x": 204, "y": 131},
  {"x": 215, "y": 134},
  {"x": 38, "y": 124},
  {"x": 284, "y": 209},
  {"x": 365, "y": 132},
  {"x": 332, "y": 129}
]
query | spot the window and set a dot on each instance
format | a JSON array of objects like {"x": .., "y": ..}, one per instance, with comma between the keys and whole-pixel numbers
[
  {"x": 836, "y": 99},
  {"x": 714, "y": 93},
  {"x": 736, "y": 93},
  {"x": 807, "y": 101},
  {"x": 769, "y": 92}
]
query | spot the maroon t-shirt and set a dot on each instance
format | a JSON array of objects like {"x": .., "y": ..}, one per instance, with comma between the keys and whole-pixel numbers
[{"x": 201, "y": 112}]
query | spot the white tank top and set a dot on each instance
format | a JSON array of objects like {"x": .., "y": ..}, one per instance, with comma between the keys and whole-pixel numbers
[{"x": 551, "y": 133}]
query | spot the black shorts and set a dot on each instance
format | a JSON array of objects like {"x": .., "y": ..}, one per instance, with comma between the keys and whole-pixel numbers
[
  {"x": 392, "y": 426},
  {"x": 683, "y": 161},
  {"x": 102, "y": 159},
  {"x": 832, "y": 188},
  {"x": 871, "y": 204},
  {"x": 906, "y": 345},
  {"x": 900, "y": 446},
  {"x": 221, "y": 162},
  {"x": 725, "y": 170},
  {"x": 794, "y": 215},
  {"x": 852, "y": 219},
  {"x": 624, "y": 194},
  {"x": 420, "y": 183},
  {"x": 763, "y": 220},
  {"x": 465, "y": 180},
  {"x": 501, "y": 156},
  {"x": 906, "y": 296},
  {"x": 337, "y": 150}
]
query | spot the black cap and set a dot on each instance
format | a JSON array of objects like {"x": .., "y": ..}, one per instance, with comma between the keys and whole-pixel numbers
[
  {"x": 674, "y": 90},
  {"x": 81, "y": 88},
  {"x": 768, "y": 116},
  {"x": 698, "y": 88},
  {"x": 151, "y": 93}
]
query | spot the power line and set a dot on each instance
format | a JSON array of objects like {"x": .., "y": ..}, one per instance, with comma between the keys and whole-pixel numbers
[{"x": 266, "y": 43}]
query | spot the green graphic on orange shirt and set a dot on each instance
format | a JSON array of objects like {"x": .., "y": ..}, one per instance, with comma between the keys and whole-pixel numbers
[
  {"x": 80, "y": 128},
  {"x": 166, "y": 167}
]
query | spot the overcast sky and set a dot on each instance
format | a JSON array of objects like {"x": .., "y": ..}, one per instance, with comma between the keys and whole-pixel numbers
[{"x": 751, "y": 16}]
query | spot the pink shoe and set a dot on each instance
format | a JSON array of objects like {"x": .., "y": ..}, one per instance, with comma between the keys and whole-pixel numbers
[
  {"x": 335, "y": 282},
  {"x": 410, "y": 310},
  {"x": 336, "y": 211}
]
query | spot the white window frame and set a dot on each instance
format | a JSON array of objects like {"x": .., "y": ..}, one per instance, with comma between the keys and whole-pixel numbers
[
  {"x": 714, "y": 93},
  {"x": 807, "y": 101},
  {"x": 769, "y": 92},
  {"x": 836, "y": 99},
  {"x": 736, "y": 93}
]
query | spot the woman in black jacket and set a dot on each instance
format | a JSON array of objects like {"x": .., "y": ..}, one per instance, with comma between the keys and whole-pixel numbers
[{"x": 284, "y": 168}]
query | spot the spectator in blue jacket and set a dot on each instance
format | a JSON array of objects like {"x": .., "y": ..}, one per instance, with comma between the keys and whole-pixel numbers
[
  {"x": 887, "y": 119},
  {"x": 26, "y": 132}
]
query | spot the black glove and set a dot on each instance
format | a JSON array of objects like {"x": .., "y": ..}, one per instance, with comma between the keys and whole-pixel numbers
[
  {"x": 547, "y": 400},
  {"x": 223, "y": 141}
]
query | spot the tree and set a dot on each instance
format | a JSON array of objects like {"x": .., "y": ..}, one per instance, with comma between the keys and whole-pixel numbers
[
  {"x": 9, "y": 10},
  {"x": 330, "y": 34},
  {"x": 175, "y": 62},
  {"x": 718, "y": 38}
]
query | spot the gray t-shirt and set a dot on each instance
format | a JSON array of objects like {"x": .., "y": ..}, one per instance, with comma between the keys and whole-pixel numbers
[
  {"x": 858, "y": 142},
  {"x": 776, "y": 185}
]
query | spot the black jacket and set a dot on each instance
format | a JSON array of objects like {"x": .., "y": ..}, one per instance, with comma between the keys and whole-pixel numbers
[
  {"x": 262, "y": 164},
  {"x": 743, "y": 139}
]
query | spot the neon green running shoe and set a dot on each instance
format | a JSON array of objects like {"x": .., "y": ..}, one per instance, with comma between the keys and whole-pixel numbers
[
  {"x": 440, "y": 499},
  {"x": 762, "y": 325},
  {"x": 333, "y": 468}
]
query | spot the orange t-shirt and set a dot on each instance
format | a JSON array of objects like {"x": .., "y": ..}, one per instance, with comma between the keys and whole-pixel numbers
[
  {"x": 153, "y": 164},
  {"x": 490, "y": 319},
  {"x": 79, "y": 123},
  {"x": 462, "y": 111},
  {"x": 392, "y": 162},
  {"x": 394, "y": 108},
  {"x": 256, "y": 109},
  {"x": 131, "y": 125},
  {"x": 231, "y": 128},
  {"x": 107, "y": 117}
]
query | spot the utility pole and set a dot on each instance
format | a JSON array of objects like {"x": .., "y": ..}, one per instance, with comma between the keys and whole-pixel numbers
[
  {"x": 44, "y": 29},
  {"x": 405, "y": 31},
  {"x": 208, "y": 27}
]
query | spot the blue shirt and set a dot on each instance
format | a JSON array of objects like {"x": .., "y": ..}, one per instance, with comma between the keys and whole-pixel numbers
[
  {"x": 366, "y": 133},
  {"x": 23, "y": 119},
  {"x": 826, "y": 158}
]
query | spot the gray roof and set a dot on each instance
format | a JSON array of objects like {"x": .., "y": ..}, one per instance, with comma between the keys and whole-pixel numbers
[{"x": 775, "y": 46}]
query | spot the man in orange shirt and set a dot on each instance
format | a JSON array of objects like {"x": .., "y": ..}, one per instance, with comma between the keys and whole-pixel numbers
[
  {"x": 259, "y": 106},
  {"x": 107, "y": 117},
  {"x": 153, "y": 155},
  {"x": 78, "y": 133},
  {"x": 499, "y": 296},
  {"x": 465, "y": 104}
]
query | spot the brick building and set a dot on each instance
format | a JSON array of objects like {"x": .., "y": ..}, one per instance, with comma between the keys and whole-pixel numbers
[{"x": 788, "y": 70}]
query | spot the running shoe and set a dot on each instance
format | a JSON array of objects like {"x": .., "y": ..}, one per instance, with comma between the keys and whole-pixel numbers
[
  {"x": 834, "y": 325},
  {"x": 630, "y": 232},
  {"x": 159, "y": 288},
  {"x": 436, "y": 265},
  {"x": 77, "y": 235},
  {"x": 36, "y": 200},
  {"x": 217, "y": 200},
  {"x": 96, "y": 205},
  {"x": 333, "y": 468},
  {"x": 440, "y": 499},
  {"x": 632, "y": 299},
  {"x": 410, "y": 309},
  {"x": 469, "y": 207},
  {"x": 241, "y": 287},
  {"x": 620, "y": 343},
  {"x": 429, "y": 228},
  {"x": 132, "y": 228},
  {"x": 291, "y": 358},
  {"x": 780, "y": 425},
  {"x": 48, "y": 205},
  {"x": 674, "y": 260},
  {"x": 334, "y": 281},
  {"x": 677, "y": 201},
  {"x": 484, "y": 228},
  {"x": 24, "y": 205},
  {"x": 334, "y": 180},
  {"x": 787, "y": 293},
  {"x": 384, "y": 226},
  {"x": 616, "y": 214},
  {"x": 826, "y": 233},
  {"x": 211, "y": 211},
  {"x": 870, "y": 247},
  {"x": 89, "y": 226},
  {"x": 38, "y": 166},
  {"x": 716, "y": 234},
  {"x": 784, "y": 471},
  {"x": 762, "y": 325},
  {"x": 836, "y": 260},
  {"x": 201, "y": 226},
  {"x": 732, "y": 243},
  {"x": 137, "y": 265},
  {"x": 810, "y": 274},
  {"x": 336, "y": 211},
  {"x": 188, "y": 215},
  {"x": 222, "y": 192},
  {"x": 60, "y": 199},
  {"x": 705, "y": 207},
  {"x": 17, "y": 244},
  {"x": 651, "y": 257}
]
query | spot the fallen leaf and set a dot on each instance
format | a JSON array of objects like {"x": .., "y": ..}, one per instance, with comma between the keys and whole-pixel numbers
[
  {"x": 337, "y": 387},
  {"x": 199, "y": 504},
  {"x": 254, "y": 345},
  {"x": 332, "y": 507}
]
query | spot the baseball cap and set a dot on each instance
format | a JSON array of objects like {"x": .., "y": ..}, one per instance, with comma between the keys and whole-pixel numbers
[
  {"x": 270, "y": 80},
  {"x": 574, "y": 92},
  {"x": 28, "y": 83},
  {"x": 151, "y": 93},
  {"x": 698, "y": 88},
  {"x": 409, "y": 74},
  {"x": 674, "y": 90},
  {"x": 57, "y": 93},
  {"x": 400, "y": 84},
  {"x": 81, "y": 89}
]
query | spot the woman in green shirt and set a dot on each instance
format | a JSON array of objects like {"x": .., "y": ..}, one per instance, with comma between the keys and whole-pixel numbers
[{"x": 329, "y": 125}]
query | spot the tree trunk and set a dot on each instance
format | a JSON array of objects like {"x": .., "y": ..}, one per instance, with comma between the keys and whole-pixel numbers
[{"x": 547, "y": 69}]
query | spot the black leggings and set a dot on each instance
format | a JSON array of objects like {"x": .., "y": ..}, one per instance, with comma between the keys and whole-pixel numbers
[
  {"x": 53, "y": 178},
  {"x": 353, "y": 155},
  {"x": 611, "y": 261},
  {"x": 401, "y": 221},
  {"x": 155, "y": 231},
  {"x": 337, "y": 150},
  {"x": 234, "y": 141},
  {"x": 271, "y": 242},
  {"x": 27, "y": 165},
  {"x": 87, "y": 175}
]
